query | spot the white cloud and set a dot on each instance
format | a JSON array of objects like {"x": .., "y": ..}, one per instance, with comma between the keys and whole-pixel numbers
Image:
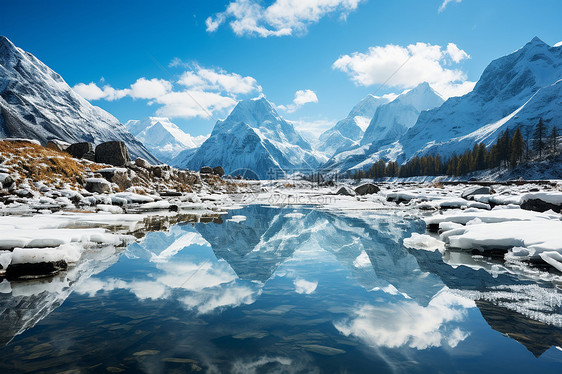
[
  {"x": 303, "y": 286},
  {"x": 301, "y": 97},
  {"x": 456, "y": 54},
  {"x": 150, "y": 89},
  {"x": 219, "y": 80},
  {"x": 281, "y": 18},
  {"x": 406, "y": 67},
  {"x": 199, "y": 92},
  {"x": 190, "y": 104},
  {"x": 445, "y": 3},
  {"x": 92, "y": 91}
]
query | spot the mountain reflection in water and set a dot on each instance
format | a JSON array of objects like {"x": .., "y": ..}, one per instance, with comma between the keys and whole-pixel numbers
[{"x": 288, "y": 290}]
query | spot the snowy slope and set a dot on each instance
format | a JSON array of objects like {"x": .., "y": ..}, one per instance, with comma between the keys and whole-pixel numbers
[
  {"x": 348, "y": 132},
  {"x": 514, "y": 90},
  {"x": 392, "y": 120},
  {"x": 162, "y": 137},
  {"x": 388, "y": 124},
  {"x": 36, "y": 103},
  {"x": 254, "y": 137}
]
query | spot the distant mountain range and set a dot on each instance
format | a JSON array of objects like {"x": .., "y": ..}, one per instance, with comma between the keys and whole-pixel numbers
[
  {"x": 36, "y": 103},
  {"x": 349, "y": 132},
  {"x": 163, "y": 138},
  {"x": 513, "y": 91}
]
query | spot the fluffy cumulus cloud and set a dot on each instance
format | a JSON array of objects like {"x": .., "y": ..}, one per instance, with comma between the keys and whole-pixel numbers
[
  {"x": 445, "y": 3},
  {"x": 301, "y": 97},
  {"x": 199, "y": 92},
  {"x": 406, "y": 67},
  {"x": 281, "y": 18},
  {"x": 219, "y": 80}
]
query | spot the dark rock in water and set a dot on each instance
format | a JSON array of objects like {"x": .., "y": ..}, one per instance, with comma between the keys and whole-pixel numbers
[
  {"x": 57, "y": 145},
  {"x": 218, "y": 170},
  {"x": 41, "y": 269},
  {"x": 346, "y": 191},
  {"x": 539, "y": 205},
  {"x": 367, "y": 189},
  {"x": 174, "y": 208},
  {"x": 97, "y": 185},
  {"x": 112, "y": 153},
  {"x": 206, "y": 170},
  {"x": 78, "y": 150},
  {"x": 476, "y": 190}
]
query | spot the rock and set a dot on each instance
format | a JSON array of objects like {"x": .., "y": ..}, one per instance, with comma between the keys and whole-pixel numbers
[
  {"x": 78, "y": 150},
  {"x": 57, "y": 145},
  {"x": 345, "y": 191},
  {"x": 90, "y": 156},
  {"x": 142, "y": 163},
  {"x": 218, "y": 170},
  {"x": 6, "y": 180},
  {"x": 37, "y": 270},
  {"x": 170, "y": 193},
  {"x": 112, "y": 153},
  {"x": 118, "y": 176},
  {"x": 98, "y": 185},
  {"x": 539, "y": 205},
  {"x": 367, "y": 189},
  {"x": 476, "y": 190},
  {"x": 206, "y": 170}
]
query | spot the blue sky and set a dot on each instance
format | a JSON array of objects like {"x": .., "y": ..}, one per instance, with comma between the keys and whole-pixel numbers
[{"x": 192, "y": 60}]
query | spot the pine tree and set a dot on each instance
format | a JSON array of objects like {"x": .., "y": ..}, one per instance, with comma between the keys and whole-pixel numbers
[
  {"x": 553, "y": 141},
  {"x": 539, "y": 136},
  {"x": 517, "y": 147}
]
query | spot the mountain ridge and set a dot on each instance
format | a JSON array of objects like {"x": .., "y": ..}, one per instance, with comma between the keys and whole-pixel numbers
[{"x": 36, "y": 103}]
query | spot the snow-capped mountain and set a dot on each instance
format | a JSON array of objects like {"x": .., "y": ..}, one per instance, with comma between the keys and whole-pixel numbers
[
  {"x": 513, "y": 91},
  {"x": 390, "y": 121},
  {"x": 256, "y": 138},
  {"x": 162, "y": 137},
  {"x": 36, "y": 103},
  {"x": 348, "y": 132}
]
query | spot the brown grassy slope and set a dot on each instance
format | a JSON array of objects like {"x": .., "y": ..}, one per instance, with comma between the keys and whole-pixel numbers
[{"x": 38, "y": 163}]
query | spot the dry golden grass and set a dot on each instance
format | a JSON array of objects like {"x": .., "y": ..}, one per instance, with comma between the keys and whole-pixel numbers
[{"x": 43, "y": 164}]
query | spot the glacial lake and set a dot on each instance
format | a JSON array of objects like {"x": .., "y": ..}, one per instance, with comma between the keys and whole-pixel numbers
[{"x": 285, "y": 290}]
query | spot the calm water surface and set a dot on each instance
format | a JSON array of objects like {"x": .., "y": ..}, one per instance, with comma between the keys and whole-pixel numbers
[{"x": 286, "y": 290}]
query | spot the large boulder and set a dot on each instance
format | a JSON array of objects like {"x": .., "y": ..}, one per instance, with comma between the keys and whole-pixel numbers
[
  {"x": 112, "y": 153},
  {"x": 476, "y": 190},
  {"x": 97, "y": 185},
  {"x": 57, "y": 145},
  {"x": 367, "y": 189},
  {"x": 206, "y": 170},
  {"x": 542, "y": 201},
  {"x": 142, "y": 163},
  {"x": 6, "y": 180},
  {"x": 119, "y": 176},
  {"x": 218, "y": 170},
  {"x": 78, "y": 150},
  {"x": 345, "y": 191}
]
